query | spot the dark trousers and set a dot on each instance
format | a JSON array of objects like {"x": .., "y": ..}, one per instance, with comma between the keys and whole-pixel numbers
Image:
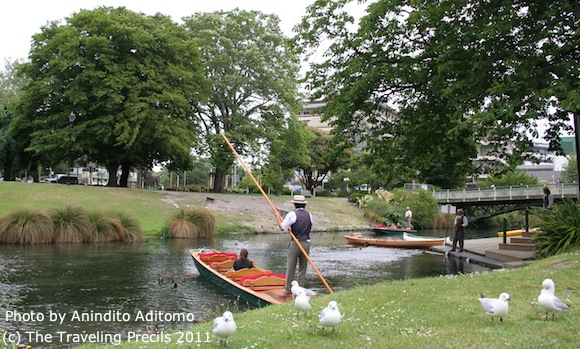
[
  {"x": 295, "y": 256},
  {"x": 459, "y": 233}
]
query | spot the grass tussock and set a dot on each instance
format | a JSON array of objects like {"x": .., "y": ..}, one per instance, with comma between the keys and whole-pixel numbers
[
  {"x": 130, "y": 228},
  {"x": 192, "y": 223},
  {"x": 71, "y": 224},
  {"x": 67, "y": 225},
  {"x": 26, "y": 227},
  {"x": 104, "y": 228}
]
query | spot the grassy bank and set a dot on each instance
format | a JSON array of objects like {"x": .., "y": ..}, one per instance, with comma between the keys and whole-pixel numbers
[
  {"x": 440, "y": 312},
  {"x": 153, "y": 209}
]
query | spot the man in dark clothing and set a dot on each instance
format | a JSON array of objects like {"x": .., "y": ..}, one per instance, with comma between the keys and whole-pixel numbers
[
  {"x": 460, "y": 224},
  {"x": 300, "y": 221}
]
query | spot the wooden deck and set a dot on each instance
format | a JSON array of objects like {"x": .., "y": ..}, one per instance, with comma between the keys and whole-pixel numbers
[{"x": 488, "y": 252}]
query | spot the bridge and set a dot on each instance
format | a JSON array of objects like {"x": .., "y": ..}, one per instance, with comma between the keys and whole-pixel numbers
[{"x": 503, "y": 199}]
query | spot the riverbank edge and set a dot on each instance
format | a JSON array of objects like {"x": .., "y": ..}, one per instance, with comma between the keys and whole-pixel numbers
[{"x": 435, "y": 312}]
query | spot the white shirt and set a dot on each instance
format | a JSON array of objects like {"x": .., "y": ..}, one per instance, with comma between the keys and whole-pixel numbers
[
  {"x": 408, "y": 214},
  {"x": 291, "y": 219}
]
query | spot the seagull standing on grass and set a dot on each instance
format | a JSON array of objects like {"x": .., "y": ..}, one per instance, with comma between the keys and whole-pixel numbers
[
  {"x": 330, "y": 316},
  {"x": 302, "y": 302},
  {"x": 296, "y": 287},
  {"x": 224, "y": 326},
  {"x": 495, "y": 307},
  {"x": 548, "y": 300}
]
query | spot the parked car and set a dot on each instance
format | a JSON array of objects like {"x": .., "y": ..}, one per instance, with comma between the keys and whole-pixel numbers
[{"x": 68, "y": 179}]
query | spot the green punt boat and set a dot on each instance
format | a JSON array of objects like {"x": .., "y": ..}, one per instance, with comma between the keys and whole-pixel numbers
[{"x": 260, "y": 296}]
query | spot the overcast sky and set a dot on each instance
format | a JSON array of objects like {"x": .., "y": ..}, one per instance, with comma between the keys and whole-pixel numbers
[{"x": 20, "y": 19}]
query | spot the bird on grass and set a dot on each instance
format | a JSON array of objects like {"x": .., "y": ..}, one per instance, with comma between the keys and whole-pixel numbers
[
  {"x": 330, "y": 316},
  {"x": 224, "y": 326},
  {"x": 548, "y": 300},
  {"x": 296, "y": 287},
  {"x": 302, "y": 302},
  {"x": 495, "y": 307}
]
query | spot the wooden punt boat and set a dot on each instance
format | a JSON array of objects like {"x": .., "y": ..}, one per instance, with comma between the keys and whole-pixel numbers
[
  {"x": 413, "y": 237},
  {"x": 366, "y": 241},
  {"x": 517, "y": 232},
  {"x": 255, "y": 286},
  {"x": 388, "y": 230}
]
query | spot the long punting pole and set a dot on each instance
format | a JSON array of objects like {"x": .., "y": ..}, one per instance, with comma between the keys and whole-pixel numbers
[{"x": 276, "y": 212}]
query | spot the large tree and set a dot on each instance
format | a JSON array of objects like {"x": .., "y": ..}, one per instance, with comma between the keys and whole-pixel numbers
[
  {"x": 129, "y": 78},
  {"x": 286, "y": 154},
  {"x": 426, "y": 80},
  {"x": 253, "y": 83},
  {"x": 10, "y": 84},
  {"x": 324, "y": 156}
]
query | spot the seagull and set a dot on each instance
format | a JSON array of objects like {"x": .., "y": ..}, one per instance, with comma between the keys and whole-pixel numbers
[
  {"x": 496, "y": 307},
  {"x": 330, "y": 316},
  {"x": 548, "y": 300},
  {"x": 224, "y": 326},
  {"x": 296, "y": 287},
  {"x": 302, "y": 301}
]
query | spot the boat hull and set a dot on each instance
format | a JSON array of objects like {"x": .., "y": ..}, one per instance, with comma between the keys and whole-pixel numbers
[
  {"x": 245, "y": 294},
  {"x": 364, "y": 241},
  {"x": 517, "y": 232}
]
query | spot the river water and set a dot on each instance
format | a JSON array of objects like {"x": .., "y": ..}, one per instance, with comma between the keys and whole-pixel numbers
[{"x": 50, "y": 291}]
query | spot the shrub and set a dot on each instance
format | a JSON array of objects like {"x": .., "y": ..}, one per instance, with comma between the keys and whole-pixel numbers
[
  {"x": 559, "y": 228},
  {"x": 192, "y": 223},
  {"x": 71, "y": 224},
  {"x": 26, "y": 227},
  {"x": 422, "y": 204}
]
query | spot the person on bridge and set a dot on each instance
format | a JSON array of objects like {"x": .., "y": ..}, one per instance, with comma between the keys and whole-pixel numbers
[
  {"x": 460, "y": 224},
  {"x": 548, "y": 198}
]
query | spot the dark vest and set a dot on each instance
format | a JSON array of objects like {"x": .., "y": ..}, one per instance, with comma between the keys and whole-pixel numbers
[{"x": 301, "y": 228}]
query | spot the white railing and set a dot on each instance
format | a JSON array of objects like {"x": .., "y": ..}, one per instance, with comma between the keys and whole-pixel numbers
[{"x": 563, "y": 190}]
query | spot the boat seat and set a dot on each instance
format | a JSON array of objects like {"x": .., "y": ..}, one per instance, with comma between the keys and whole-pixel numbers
[
  {"x": 264, "y": 282},
  {"x": 237, "y": 275},
  {"x": 217, "y": 257},
  {"x": 223, "y": 266}
]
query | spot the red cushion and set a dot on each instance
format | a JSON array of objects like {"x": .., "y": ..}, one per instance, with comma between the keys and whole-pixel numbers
[
  {"x": 254, "y": 277},
  {"x": 206, "y": 255}
]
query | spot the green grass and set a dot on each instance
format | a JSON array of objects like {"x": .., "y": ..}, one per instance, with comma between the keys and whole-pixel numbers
[
  {"x": 439, "y": 312},
  {"x": 149, "y": 207}
]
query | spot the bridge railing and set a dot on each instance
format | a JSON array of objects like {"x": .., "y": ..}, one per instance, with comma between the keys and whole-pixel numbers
[{"x": 562, "y": 190}]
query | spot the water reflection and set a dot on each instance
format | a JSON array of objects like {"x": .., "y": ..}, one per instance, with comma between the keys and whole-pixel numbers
[{"x": 99, "y": 278}]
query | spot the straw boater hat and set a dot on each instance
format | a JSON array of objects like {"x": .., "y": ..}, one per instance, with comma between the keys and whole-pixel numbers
[{"x": 299, "y": 199}]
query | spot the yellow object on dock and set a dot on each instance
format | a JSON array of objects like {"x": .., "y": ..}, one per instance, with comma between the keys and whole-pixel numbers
[{"x": 517, "y": 232}]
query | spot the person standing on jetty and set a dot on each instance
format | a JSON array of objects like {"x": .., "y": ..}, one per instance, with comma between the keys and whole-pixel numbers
[
  {"x": 460, "y": 224},
  {"x": 300, "y": 221}
]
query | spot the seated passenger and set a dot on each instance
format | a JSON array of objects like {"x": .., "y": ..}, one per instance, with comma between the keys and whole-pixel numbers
[{"x": 243, "y": 261}]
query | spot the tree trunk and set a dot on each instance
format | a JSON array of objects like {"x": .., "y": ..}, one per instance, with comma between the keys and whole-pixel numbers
[
  {"x": 219, "y": 180},
  {"x": 112, "y": 175},
  {"x": 124, "y": 180}
]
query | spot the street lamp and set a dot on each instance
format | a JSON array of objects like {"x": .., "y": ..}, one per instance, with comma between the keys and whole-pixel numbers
[{"x": 71, "y": 119}]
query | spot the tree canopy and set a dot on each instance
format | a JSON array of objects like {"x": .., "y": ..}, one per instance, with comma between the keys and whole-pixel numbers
[
  {"x": 129, "y": 78},
  {"x": 424, "y": 81},
  {"x": 253, "y": 83}
]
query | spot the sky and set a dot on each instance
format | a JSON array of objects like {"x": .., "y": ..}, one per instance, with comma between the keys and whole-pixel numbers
[{"x": 20, "y": 19}]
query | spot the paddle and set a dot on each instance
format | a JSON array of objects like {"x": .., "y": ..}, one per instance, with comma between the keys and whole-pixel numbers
[{"x": 276, "y": 212}]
